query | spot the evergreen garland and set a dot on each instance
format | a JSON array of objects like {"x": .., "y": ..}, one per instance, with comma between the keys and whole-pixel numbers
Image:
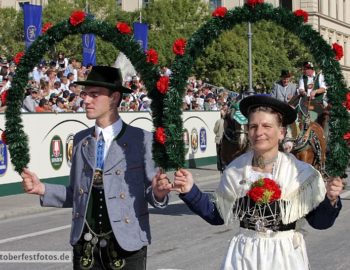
[
  {"x": 338, "y": 158},
  {"x": 166, "y": 107},
  {"x": 16, "y": 139}
]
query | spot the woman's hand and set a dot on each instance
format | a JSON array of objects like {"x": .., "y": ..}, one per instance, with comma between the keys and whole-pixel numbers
[
  {"x": 334, "y": 186},
  {"x": 183, "y": 181}
]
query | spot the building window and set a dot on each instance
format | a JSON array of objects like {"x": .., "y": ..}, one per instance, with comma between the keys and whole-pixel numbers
[
  {"x": 145, "y": 3},
  {"x": 213, "y": 4},
  {"x": 287, "y": 4},
  {"x": 119, "y": 3}
]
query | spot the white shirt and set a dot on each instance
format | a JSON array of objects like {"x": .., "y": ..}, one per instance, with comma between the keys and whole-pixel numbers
[
  {"x": 109, "y": 133},
  {"x": 310, "y": 80}
]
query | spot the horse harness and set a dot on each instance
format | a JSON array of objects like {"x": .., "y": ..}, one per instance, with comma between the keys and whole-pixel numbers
[{"x": 308, "y": 138}]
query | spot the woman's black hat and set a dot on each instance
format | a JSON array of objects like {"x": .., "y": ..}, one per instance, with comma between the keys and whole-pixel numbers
[
  {"x": 289, "y": 115},
  {"x": 108, "y": 77}
]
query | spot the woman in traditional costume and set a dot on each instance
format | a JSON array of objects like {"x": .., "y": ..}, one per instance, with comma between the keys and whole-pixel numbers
[{"x": 268, "y": 192}]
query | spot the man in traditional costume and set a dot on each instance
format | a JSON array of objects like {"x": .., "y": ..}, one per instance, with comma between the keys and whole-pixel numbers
[{"x": 112, "y": 179}]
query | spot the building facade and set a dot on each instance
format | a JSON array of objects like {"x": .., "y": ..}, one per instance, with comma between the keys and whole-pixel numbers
[
  {"x": 331, "y": 18},
  {"x": 16, "y": 4}
]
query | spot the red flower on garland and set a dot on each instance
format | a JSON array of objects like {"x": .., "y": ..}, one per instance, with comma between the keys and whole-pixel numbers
[
  {"x": 160, "y": 135},
  {"x": 163, "y": 84},
  {"x": 3, "y": 97},
  {"x": 347, "y": 137},
  {"x": 123, "y": 28},
  {"x": 264, "y": 190},
  {"x": 179, "y": 46},
  {"x": 253, "y": 3},
  {"x": 302, "y": 13},
  {"x": 346, "y": 104},
  {"x": 219, "y": 12},
  {"x": 18, "y": 57},
  {"x": 46, "y": 27},
  {"x": 77, "y": 17},
  {"x": 3, "y": 137},
  {"x": 152, "y": 56},
  {"x": 338, "y": 50}
]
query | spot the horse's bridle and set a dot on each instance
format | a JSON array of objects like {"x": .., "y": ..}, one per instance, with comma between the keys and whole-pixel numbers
[{"x": 236, "y": 135}]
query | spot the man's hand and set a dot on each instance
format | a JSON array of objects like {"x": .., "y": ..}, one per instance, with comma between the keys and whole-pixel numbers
[
  {"x": 334, "y": 186},
  {"x": 161, "y": 186},
  {"x": 302, "y": 92},
  {"x": 183, "y": 181},
  {"x": 31, "y": 183}
]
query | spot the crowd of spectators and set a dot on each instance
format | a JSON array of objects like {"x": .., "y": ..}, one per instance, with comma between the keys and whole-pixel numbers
[{"x": 51, "y": 88}]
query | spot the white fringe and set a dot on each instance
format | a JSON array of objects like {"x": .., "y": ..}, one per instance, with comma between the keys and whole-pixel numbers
[
  {"x": 225, "y": 207},
  {"x": 307, "y": 197},
  {"x": 294, "y": 206}
]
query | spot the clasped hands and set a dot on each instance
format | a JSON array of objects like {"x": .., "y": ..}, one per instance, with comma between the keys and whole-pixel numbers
[{"x": 182, "y": 183}]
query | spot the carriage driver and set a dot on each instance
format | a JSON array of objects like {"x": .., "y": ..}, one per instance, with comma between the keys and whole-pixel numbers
[
  {"x": 286, "y": 91},
  {"x": 313, "y": 89}
]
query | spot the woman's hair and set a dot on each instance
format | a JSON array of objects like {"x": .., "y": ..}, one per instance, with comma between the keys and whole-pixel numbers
[{"x": 278, "y": 115}]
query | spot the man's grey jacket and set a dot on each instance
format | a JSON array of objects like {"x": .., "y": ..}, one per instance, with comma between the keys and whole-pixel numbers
[{"x": 127, "y": 178}]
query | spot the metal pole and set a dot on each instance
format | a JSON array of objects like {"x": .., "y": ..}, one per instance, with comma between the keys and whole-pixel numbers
[
  {"x": 140, "y": 5},
  {"x": 250, "y": 72}
]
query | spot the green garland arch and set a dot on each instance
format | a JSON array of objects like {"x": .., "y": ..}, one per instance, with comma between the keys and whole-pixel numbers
[
  {"x": 166, "y": 109},
  {"x": 15, "y": 136},
  {"x": 338, "y": 157}
]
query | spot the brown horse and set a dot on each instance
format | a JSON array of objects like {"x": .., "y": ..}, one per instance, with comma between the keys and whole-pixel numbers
[
  {"x": 234, "y": 140},
  {"x": 310, "y": 146}
]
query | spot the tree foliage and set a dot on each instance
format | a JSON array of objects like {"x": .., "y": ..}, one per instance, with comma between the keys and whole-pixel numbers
[
  {"x": 11, "y": 32},
  {"x": 225, "y": 61},
  {"x": 169, "y": 20}
]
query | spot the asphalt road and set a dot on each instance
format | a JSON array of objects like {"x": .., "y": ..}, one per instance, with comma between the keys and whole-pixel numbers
[{"x": 181, "y": 240}]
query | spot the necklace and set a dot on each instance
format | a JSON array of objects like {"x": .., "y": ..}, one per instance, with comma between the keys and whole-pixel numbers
[{"x": 261, "y": 162}]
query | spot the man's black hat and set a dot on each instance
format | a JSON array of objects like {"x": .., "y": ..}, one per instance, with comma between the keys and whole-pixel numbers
[
  {"x": 289, "y": 115},
  {"x": 285, "y": 73},
  {"x": 108, "y": 77}
]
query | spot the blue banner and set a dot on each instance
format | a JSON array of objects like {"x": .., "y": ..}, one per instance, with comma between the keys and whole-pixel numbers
[
  {"x": 89, "y": 51},
  {"x": 32, "y": 22},
  {"x": 141, "y": 34}
]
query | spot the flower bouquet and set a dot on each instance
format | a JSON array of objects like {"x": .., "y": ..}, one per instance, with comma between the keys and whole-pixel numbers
[
  {"x": 260, "y": 210},
  {"x": 264, "y": 190}
]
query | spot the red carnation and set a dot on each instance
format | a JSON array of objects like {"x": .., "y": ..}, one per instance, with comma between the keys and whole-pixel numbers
[
  {"x": 253, "y": 3},
  {"x": 3, "y": 97},
  {"x": 264, "y": 190},
  {"x": 18, "y": 57},
  {"x": 302, "y": 13},
  {"x": 346, "y": 104},
  {"x": 160, "y": 135},
  {"x": 338, "y": 50},
  {"x": 46, "y": 27},
  {"x": 163, "y": 84},
  {"x": 347, "y": 137},
  {"x": 179, "y": 46},
  {"x": 3, "y": 137},
  {"x": 219, "y": 12},
  {"x": 152, "y": 56},
  {"x": 123, "y": 28},
  {"x": 77, "y": 17}
]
